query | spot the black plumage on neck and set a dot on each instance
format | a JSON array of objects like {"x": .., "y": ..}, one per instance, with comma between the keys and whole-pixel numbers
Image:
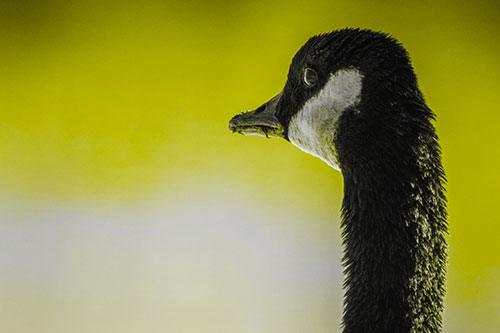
[{"x": 393, "y": 212}]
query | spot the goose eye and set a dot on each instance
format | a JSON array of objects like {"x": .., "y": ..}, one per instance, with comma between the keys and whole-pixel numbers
[{"x": 310, "y": 77}]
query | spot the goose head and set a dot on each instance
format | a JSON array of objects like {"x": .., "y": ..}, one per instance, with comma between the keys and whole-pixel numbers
[{"x": 345, "y": 101}]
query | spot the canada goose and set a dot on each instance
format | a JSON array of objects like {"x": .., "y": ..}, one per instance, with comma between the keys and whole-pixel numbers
[{"x": 352, "y": 99}]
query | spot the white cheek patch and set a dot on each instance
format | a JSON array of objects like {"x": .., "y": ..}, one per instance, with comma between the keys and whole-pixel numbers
[{"x": 312, "y": 129}]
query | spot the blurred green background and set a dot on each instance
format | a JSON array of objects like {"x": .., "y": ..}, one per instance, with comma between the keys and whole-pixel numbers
[{"x": 127, "y": 206}]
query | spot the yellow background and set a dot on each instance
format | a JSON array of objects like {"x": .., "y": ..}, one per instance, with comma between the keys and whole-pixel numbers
[{"x": 127, "y": 206}]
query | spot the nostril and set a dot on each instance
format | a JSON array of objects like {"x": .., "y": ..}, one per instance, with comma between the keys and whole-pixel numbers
[{"x": 261, "y": 108}]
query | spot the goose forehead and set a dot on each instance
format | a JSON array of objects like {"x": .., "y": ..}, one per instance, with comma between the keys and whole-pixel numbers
[{"x": 312, "y": 128}]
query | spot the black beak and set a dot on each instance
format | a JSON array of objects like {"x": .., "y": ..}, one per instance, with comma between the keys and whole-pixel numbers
[{"x": 261, "y": 121}]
